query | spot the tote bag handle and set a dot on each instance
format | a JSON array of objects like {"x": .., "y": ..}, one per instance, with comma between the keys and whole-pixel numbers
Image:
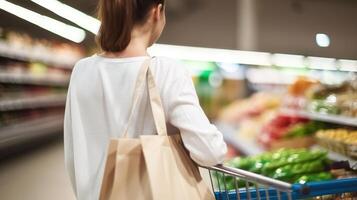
[{"x": 145, "y": 74}]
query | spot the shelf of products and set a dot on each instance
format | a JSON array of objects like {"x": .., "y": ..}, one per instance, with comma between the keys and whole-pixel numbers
[
  {"x": 30, "y": 129},
  {"x": 336, "y": 119},
  {"x": 34, "y": 76},
  {"x": 252, "y": 148},
  {"x": 22, "y": 47},
  {"x": 268, "y": 121},
  {"x": 33, "y": 102},
  {"x": 30, "y": 79},
  {"x": 10, "y": 118}
]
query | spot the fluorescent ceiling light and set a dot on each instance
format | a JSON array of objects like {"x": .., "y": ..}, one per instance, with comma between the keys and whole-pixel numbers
[
  {"x": 287, "y": 60},
  {"x": 64, "y": 30},
  {"x": 211, "y": 55},
  {"x": 81, "y": 19},
  {"x": 348, "y": 65},
  {"x": 250, "y": 58},
  {"x": 322, "y": 63}
]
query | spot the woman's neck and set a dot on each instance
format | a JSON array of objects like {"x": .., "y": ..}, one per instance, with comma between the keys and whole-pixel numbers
[{"x": 137, "y": 47}]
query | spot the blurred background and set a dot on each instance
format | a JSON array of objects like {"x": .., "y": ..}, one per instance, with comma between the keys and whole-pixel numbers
[{"x": 270, "y": 74}]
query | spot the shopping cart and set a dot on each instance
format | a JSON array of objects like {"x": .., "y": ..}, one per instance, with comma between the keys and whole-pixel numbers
[{"x": 258, "y": 187}]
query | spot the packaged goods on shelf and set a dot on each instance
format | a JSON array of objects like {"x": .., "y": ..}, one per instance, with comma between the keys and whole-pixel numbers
[
  {"x": 33, "y": 101},
  {"x": 339, "y": 140},
  {"x": 15, "y": 117},
  {"x": 34, "y": 76},
  {"x": 295, "y": 97},
  {"x": 330, "y": 103},
  {"x": 334, "y": 99},
  {"x": 28, "y": 130},
  {"x": 23, "y": 47},
  {"x": 33, "y": 73}
]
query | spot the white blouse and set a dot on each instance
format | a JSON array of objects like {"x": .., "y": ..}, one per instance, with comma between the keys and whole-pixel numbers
[{"x": 97, "y": 109}]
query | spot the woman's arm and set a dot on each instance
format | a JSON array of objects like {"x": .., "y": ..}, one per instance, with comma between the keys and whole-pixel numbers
[
  {"x": 68, "y": 142},
  {"x": 202, "y": 139}
]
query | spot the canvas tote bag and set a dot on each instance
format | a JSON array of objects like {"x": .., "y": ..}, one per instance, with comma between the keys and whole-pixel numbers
[
  {"x": 125, "y": 174},
  {"x": 151, "y": 167}
]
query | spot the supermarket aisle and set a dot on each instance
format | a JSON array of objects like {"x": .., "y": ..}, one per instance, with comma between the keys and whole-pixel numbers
[{"x": 37, "y": 174}]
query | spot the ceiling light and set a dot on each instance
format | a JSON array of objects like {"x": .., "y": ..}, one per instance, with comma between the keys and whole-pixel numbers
[
  {"x": 348, "y": 65},
  {"x": 211, "y": 55},
  {"x": 81, "y": 19},
  {"x": 322, "y": 63},
  {"x": 322, "y": 40},
  {"x": 287, "y": 60},
  {"x": 64, "y": 30},
  {"x": 224, "y": 56}
]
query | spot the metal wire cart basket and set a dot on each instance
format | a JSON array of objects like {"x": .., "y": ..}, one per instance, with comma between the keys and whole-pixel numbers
[{"x": 249, "y": 185}]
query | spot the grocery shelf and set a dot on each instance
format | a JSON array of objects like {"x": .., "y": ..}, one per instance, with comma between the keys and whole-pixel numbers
[
  {"x": 243, "y": 145},
  {"x": 30, "y": 54},
  {"x": 251, "y": 148},
  {"x": 6, "y": 77},
  {"x": 336, "y": 119},
  {"x": 33, "y": 102},
  {"x": 30, "y": 129}
]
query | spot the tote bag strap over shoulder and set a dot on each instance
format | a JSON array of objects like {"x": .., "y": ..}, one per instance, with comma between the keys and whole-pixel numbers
[{"x": 145, "y": 74}]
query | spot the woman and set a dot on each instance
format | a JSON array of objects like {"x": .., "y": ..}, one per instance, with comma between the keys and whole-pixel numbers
[{"x": 101, "y": 90}]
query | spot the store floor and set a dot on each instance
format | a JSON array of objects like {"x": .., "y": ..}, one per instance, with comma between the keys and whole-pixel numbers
[{"x": 36, "y": 174}]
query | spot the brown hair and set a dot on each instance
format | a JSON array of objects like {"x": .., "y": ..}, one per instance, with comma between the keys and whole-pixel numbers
[{"x": 118, "y": 19}]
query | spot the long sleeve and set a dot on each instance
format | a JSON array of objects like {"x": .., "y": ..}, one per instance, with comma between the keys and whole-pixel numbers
[
  {"x": 68, "y": 142},
  {"x": 202, "y": 139}
]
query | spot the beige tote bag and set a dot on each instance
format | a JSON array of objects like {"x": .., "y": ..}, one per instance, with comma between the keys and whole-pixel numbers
[{"x": 153, "y": 167}]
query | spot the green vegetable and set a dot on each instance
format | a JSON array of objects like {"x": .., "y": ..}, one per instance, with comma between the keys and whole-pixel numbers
[
  {"x": 290, "y": 165},
  {"x": 322, "y": 176},
  {"x": 287, "y": 172},
  {"x": 301, "y": 130},
  {"x": 298, "y": 156}
]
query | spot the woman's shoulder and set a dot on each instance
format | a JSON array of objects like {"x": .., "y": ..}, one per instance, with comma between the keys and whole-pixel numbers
[
  {"x": 81, "y": 67},
  {"x": 170, "y": 65},
  {"x": 85, "y": 61}
]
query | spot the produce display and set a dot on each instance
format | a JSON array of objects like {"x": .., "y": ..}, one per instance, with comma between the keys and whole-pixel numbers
[
  {"x": 250, "y": 114},
  {"x": 289, "y": 133},
  {"x": 334, "y": 99},
  {"x": 286, "y": 127},
  {"x": 251, "y": 107},
  {"x": 295, "y": 97},
  {"x": 273, "y": 121},
  {"x": 339, "y": 140},
  {"x": 313, "y": 96},
  {"x": 301, "y": 84},
  {"x": 289, "y": 165}
]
